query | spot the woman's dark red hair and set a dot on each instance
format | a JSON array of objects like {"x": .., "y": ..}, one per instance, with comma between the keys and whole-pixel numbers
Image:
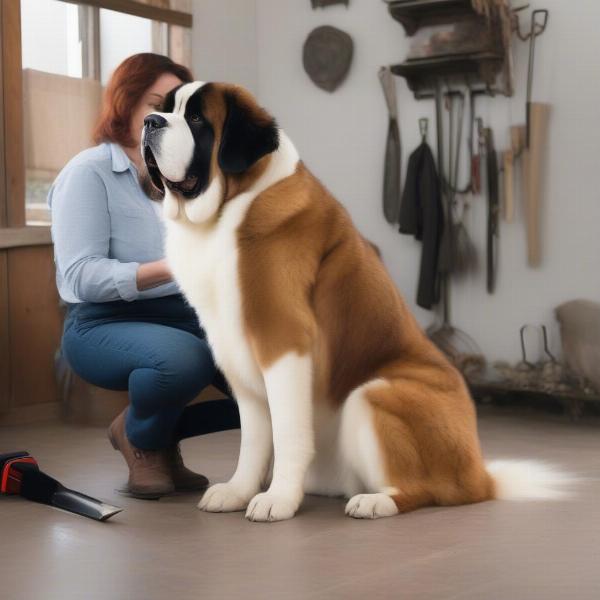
[{"x": 125, "y": 89}]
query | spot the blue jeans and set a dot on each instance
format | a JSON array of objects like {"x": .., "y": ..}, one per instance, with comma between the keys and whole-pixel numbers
[{"x": 157, "y": 351}]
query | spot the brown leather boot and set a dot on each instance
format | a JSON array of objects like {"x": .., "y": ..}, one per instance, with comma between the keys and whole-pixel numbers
[
  {"x": 149, "y": 470},
  {"x": 184, "y": 479}
]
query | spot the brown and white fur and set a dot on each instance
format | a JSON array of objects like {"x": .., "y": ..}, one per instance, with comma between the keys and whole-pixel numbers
[{"x": 331, "y": 372}]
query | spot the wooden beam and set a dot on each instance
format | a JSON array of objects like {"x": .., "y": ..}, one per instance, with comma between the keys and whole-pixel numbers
[
  {"x": 89, "y": 23},
  {"x": 12, "y": 86},
  {"x": 17, "y": 237},
  {"x": 3, "y": 207},
  {"x": 131, "y": 7},
  {"x": 4, "y": 336}
]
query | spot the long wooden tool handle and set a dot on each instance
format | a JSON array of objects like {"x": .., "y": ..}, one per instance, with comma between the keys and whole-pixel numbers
[
  {"x": 509, "y": 192},
  {"x": 533, "y": 165},
  {"x": 517, "y": 139},
  {"x": 518, "y": 134}
]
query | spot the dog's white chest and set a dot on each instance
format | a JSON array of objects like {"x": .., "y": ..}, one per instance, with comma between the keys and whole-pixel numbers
[{"x": 204, "y": 261}]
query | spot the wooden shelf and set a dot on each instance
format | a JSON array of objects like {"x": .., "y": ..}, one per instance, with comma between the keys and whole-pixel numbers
[
  {"x": 414, "y": 14},
  {"x": 573, "y": 400},
  {"x": 421, "y": 74}
]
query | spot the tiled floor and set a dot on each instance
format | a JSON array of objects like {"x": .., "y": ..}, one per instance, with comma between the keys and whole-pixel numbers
[{"x": 168, "y": 549}]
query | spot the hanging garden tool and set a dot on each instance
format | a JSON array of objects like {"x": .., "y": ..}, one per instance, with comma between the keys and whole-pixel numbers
[
  {"x": 463, "y": 256},
  {"x": 456, "y": 344},
  {"x": 537, "y": 28},
  {"x": 532, "y": 140},
  {"x": 493, "y": 209},
  {"x": 475, "y": 155},
  {"x": 517, "y": 141},
  {"x": 508, "y": 193},
  {"x": 393, "y": 150},
  {"x": 510, "y": 161},
  {"x": 538, "y": 115}
]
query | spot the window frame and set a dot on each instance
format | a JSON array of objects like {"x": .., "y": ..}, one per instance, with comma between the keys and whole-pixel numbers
[
  {"x": 138, "y": 9},
  {"x": 14, "y": 231},
  {"x": 13, "y": 181}
]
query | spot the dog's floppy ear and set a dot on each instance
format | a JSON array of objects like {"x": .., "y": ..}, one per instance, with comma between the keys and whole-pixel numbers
[{"x": 249, "y": 133}]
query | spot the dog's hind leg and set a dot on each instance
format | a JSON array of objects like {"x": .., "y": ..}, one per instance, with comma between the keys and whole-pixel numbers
[
  {"x": 364, "y": 452},
  {"x": 388, "y": 503}
]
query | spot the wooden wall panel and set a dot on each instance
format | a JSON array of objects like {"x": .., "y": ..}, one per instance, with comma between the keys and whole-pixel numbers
[
  {"x": 57, "y": 107},
  {"x": 4, "y": 339},
  {"x": 35, "y": 322}
]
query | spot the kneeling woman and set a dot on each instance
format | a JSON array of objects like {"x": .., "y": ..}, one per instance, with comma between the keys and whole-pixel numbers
[{"x": 127, "y": 326}]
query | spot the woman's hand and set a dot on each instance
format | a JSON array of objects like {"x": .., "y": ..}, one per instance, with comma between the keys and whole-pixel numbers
[{"x": 153, "y": 274}]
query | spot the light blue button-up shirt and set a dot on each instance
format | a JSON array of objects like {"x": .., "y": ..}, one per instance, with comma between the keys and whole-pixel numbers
[{"x": 103, "y": 227}]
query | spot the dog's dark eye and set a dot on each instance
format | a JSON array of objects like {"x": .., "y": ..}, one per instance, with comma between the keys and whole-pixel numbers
[{"x": 195, "y": 118}]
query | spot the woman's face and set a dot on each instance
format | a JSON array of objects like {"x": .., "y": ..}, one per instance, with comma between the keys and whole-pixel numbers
[{"x": 151, "y": 102}]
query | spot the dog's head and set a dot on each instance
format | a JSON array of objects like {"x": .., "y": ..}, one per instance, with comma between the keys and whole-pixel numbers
[{"x": 208, "y": 136}]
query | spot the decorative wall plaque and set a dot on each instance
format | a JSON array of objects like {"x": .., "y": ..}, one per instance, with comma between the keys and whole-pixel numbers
[{"x": 327, "y": 56}]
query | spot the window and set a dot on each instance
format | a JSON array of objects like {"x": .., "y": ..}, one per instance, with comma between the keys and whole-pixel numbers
[
  {"x": 51, "y": 38},
  {"x": 68, "y": 53},
  {"x": 123, "y": 35},
  {"x": 58, "y": 102}
]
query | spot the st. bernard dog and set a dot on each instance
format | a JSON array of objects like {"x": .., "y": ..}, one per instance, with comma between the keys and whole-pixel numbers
[{"x": 334, "y": 378}]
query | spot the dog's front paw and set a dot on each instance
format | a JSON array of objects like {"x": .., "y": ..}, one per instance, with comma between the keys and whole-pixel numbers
[
  {"x": 271, "y": 506},
  {"x": 224, "y": 497}
]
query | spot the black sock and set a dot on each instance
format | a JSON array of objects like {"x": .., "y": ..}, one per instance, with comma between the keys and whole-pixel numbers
[{"x": 207, "y": 417}]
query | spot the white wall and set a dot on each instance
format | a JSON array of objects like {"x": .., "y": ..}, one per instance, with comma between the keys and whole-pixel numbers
[
  {"x": 224, "y": 44},
  {"x": 341, "y": 137}
]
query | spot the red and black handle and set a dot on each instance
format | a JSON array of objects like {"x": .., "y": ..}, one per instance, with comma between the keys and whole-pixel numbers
[{"x": 11, "y": 476}]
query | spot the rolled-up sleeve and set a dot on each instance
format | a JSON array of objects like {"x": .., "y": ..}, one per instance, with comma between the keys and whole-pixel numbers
[{"x": 81, "y": 236}]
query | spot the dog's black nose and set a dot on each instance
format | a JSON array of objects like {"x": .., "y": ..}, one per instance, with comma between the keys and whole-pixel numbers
[{"x": 154, "y": 121}]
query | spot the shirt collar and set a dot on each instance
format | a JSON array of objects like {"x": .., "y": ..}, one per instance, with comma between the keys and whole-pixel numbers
[{"x": 120, "y": 160}]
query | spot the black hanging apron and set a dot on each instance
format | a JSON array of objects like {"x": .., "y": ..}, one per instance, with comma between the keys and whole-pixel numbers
[{"x": 422, "y": 215}]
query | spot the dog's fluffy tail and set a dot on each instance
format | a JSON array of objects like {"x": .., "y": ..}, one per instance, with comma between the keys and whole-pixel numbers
[{"x": 528, "y": 480}]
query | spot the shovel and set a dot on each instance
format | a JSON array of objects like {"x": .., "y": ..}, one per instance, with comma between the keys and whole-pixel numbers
[{"x": 538, "y": 115}]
